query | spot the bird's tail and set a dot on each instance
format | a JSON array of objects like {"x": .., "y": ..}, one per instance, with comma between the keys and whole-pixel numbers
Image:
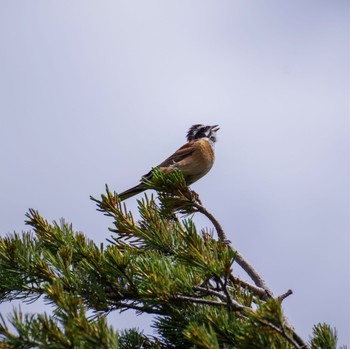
[{"x": 131, "y": 192}]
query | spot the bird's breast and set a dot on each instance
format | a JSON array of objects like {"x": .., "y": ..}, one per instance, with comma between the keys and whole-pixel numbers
[{"x": 199, "y": 162}]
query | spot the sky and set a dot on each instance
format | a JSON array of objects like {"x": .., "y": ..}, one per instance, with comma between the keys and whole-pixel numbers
[{"x": 99, "y": 92}]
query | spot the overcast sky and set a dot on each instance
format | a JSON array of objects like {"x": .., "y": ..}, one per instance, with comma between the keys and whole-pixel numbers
[{"x": 95, "y": 92}]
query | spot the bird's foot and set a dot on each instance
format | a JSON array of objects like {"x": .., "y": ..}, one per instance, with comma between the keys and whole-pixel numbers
[{"x": 196, "y": 197}]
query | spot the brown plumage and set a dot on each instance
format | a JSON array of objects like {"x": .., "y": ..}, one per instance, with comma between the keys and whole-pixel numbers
[{"x": 194, "y": 159}]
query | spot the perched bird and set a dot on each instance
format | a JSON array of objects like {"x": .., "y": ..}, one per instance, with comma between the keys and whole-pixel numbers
[{"x": 194, "y": 159}]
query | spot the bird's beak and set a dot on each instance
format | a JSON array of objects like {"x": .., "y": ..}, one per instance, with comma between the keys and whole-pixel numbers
[{"x": 215, "y": 128}]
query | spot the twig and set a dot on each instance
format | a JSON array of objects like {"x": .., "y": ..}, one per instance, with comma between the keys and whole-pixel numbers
[
  {"x": 210, "y": 292},
  {"x": 284, "y": 295},
  {"x": 258, "y": 291},
  {"x": 235, "y": 305},
  {"x": 229, "y": 299},
  {"x": 140, "y": 308},
  {"x": 283, "y": 333}
]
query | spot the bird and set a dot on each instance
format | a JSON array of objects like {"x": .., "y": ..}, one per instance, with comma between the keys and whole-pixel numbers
[{"x": 194, "y": 159}]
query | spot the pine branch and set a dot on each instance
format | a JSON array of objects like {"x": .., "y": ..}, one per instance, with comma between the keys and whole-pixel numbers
[
  {"x": 158, "y": 264},
  {"x": 175, "y": 195}
]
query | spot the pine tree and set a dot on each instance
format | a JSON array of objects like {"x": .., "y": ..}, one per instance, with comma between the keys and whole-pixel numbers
[{"x": 160, "y": 264}]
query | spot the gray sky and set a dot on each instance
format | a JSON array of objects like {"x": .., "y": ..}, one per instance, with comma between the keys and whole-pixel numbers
[{"x": 99, "y": 92}]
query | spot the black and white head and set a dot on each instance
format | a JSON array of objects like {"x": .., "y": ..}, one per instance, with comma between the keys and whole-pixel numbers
[{"x": 201, "y": 131}]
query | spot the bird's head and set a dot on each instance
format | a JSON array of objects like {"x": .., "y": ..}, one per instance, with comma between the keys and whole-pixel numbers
[{"x": 201, "y": 131}]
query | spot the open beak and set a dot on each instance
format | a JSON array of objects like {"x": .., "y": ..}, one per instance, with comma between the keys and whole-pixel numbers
[{"x": 215, "y": 128}]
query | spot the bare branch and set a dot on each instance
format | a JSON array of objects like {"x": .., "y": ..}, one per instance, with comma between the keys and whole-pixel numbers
[
  {"x": 250, "y": 270},
  {"x": 261, "y": 287},
  {"x": 220, "y": 231},
  {"x": 241, "y": 261}
]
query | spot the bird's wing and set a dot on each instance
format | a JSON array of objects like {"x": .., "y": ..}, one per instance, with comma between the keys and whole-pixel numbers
[{"x": 180, "y": 154}]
